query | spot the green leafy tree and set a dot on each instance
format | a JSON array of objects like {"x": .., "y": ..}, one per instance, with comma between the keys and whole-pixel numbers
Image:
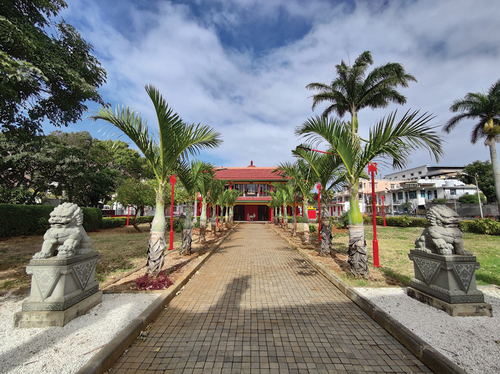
[
  {"x": 388, "y": 140},
  {"x": 204, "y": 190},
  {"x": 167, "y": 155},
  {"x": 229, "y": 198},
  {"x": 138, "y": 194},
  {"x": 484, "y": 173},
  {"x": 354, "y": 89},
  {"x": 43, "y": 77},
  {"x": 485, "y": 109}
]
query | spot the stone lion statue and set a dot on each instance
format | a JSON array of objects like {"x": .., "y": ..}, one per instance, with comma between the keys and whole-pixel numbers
[
  {"x": 66, "y": 236},
  {"x": 442, "y": 234}
]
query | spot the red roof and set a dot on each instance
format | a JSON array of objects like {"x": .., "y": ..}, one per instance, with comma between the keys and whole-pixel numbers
[{"x": 251, "y": 173}]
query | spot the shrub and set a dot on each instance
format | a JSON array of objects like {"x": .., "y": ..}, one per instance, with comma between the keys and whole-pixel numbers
[
  {"x": 160, "y": 282},
  {"x": 486, "y": 226},
  {"x": 312, "y": 229},
  {"x": 110, "y": 222},
  {"x": 402, "y": 221},
  {"x": 16, "y": 220},
  {"x": 92, "y": 219}
]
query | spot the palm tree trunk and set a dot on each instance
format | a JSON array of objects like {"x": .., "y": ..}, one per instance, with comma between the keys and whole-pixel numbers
[
  {"x": 187, "y": 230},
  {"x": 325, "y": 231},
  {"x": 357, "y": 256},
  {"x": 305, "y": 221},
  {"x": 285, "y": 217},
  {"x": 203, "y": 220},
  {"x": 294, "y": 221},
  {"x": 490, "y": 142},
  {"x": 156, "y": 249},
  {"x": 213, "y": 221}
]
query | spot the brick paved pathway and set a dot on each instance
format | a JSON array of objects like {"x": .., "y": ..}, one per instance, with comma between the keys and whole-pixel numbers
[{"x": 258, "y": 307}]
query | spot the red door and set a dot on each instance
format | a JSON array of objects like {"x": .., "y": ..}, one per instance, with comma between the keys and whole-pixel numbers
[{"x": 251, "y": 211}]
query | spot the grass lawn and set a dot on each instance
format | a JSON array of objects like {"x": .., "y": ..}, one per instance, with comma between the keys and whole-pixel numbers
[
  {"x": 395, "y": 244},
  {"x": 122, "y": 249}
]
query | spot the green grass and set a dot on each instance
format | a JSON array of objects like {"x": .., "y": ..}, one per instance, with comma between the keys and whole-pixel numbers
[{"x": 395, "y": 244}]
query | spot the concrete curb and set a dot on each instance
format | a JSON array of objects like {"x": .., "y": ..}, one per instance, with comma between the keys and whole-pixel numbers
[
  {"x": 432, "y": 358},
  {"x": 107, "y": 356}
]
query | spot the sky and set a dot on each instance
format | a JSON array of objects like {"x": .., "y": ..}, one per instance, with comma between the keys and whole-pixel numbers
[{"x": 241, "y": 66}]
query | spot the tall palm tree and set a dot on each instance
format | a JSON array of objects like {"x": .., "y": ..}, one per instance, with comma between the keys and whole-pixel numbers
[
  {"x": 353, "y": 89},
  {"x": 277, "y": 200},
  {"x": 230, "y": 197},
  {"x": 486, "y": 109},
  {"x": 328, "y": 171},
  {"x": 304, "y": 179},
  {"x": 190, "y": 178},
  {"x": 388, "y": 140},
  {"x": 287, "y": 193},
  {"x": 166, "y": 154}
]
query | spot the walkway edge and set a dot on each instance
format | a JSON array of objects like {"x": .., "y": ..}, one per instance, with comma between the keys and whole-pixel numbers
[
  {"x": 432, "y": 358},
  {"x": 107, "y": 356}
]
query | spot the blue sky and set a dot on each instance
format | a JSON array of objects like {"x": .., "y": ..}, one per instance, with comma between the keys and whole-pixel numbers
[{"x": 242, "y": 66}]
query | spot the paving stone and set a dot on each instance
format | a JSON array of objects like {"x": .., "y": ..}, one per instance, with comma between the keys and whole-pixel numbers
[{"x": 257, "y": 306}]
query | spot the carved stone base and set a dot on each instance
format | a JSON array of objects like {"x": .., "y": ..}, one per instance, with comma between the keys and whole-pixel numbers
[
  {"x": 56, "y": 318},
  {"x": 454, "y": 310},
  {"x": 450, "y": 278},
  {"x": 58, "y": 284}
]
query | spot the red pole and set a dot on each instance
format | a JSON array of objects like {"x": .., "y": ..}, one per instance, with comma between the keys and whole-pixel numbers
[
  {"x": 383, "y": 208},
  {"x": 372, "y": 168},
  {"x": 318, "y": 186},
  {"x": 172, "y": 182},
  {"x": 217, "y": 212},
  {"x": 128, "y": 213},
  {"x": 271, "y": 215},
  {"x": 295, "y": 213}
]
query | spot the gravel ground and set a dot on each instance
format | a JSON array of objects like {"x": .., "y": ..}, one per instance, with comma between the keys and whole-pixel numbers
[
  {"x": 473, "y": 343},
  {"x": 64, "y": 349}
]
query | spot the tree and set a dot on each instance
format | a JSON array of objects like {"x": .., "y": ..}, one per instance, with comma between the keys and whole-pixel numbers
[
  {"x": 68, "y": 165},
  {"x": 136, "y": 193},
  {"x": 167, "y": 155},
  {"x": 190, "y": 179},
  {"x": 229, "y": 198},
  {"x": 388, "y": 139},
  {"x": 329, "y": 173},
  {"x": 204, "y": 190},
  {"x": 353, "y": 89},
  {"x": 484, "y": 173},
  {"x": 485, "y": 108},
  {"x": 44, "y": 77},
  {"x": 216, "y": 191}
]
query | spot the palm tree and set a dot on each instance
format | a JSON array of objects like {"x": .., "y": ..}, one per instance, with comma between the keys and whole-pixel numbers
[
  {"x": 486, "y": 109},
  {"x": 277, "y": 201},
  {"x": 287, "y": 193},
  {"x": 190, "y": 178},
  {"x": 216, "y": 191},
  {"x": 230, "y": 197},
  {"x": 166, "y": 154},
  {"x": 329, "y": 173},
  {"x": 300, "y": 172},
  {"x": 388, "y": 140},
  {"x": 353, "y": 89},
  {"x": 204, "y": 190}
]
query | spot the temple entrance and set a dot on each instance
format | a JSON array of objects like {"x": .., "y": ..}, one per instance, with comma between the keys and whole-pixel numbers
[{"x": 251, "y": 213}]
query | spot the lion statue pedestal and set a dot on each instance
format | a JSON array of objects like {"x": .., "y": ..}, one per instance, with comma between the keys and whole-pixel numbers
[
  {"x": 445, "y": 275},
  {"x": 63, "y": 284}
]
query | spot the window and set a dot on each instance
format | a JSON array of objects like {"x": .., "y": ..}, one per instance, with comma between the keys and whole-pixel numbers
[
  {"x": 239, "y": 187},
  {"x": 404, "y": 175},
  {"x": 435, "y": 194},
  {"x": 412, "y": 174},
  {"x": 412, "y": 194},
  {"x": 422, "y": 194},
  {"x": 419, "y": 173},
  {"x": 392, "y": 186},
  {"x": 400, "y": 196},
  {"x": 429, "y": 195},
  {"x": 264, "y": 189},
  {"x": 453, "y": 192},
  {"x": 251, "y": 189}
]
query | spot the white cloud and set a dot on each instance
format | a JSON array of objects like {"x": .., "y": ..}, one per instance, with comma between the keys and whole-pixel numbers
[{"x": 257, "y": 101}]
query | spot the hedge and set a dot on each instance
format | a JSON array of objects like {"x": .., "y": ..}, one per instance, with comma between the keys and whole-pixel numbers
[
  {"x": 17, "y": 220},
  {"x": 486, "y": 226},
  {"x": 109, "y": 222}
]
